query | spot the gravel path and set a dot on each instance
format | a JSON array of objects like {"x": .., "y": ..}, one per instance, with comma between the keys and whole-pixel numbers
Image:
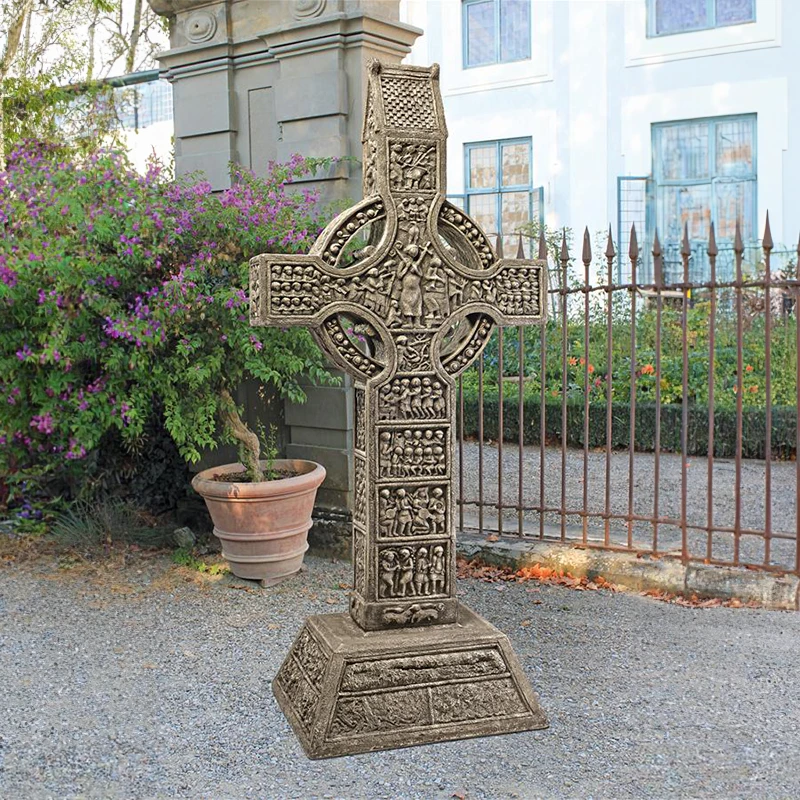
[
  {"x": 150, "y": 683},
  {"x": 784, "y": 497}
]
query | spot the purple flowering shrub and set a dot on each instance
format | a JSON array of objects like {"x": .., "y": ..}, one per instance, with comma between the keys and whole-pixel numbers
[{"x": 121, "y": 293}]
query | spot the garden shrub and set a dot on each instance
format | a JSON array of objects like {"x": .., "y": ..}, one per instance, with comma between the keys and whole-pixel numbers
[
  {"x": 122, "y": 293},
  {"x": 753, "y": 425}
]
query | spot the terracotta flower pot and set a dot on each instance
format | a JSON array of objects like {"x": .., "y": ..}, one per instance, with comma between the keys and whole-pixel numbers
[{"x": 263, "y": 526}]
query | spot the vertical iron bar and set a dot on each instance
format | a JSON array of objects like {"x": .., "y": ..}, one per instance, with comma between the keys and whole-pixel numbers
[
  {"x": 461, "y": 452},
  {"x": 712, "y": 330},
  {"x": 521, "y": 428},
  {"x": 686, "y": 251},
  {"x": 587, "y": 260},
  {"x": 480, "y": 443},
  {"x": 500, "y": 431},
  {"x": 564, "y": 258},
  {"x": 610, "y": 253},
  {"x": 521, "y": 411},
  {"x": 797, "y": 415},
  {"x": 738, "y": 249},
  {"x": 658, "y": 275},
  {"x": 767, "y": 244},
  {"x": 542, "y": 407},
  {"x": 633, "y": 253}
]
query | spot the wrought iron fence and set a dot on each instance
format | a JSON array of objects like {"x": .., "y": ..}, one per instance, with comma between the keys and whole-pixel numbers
[{"x": 657, "y": 416}]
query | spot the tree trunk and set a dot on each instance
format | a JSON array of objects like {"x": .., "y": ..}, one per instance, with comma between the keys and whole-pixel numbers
[
  {"x": 133, "y": 44},
  {"x": 249, "y": 446},
  {"x": 92, "y": 31},
  {"x": 6, "y": 59}
]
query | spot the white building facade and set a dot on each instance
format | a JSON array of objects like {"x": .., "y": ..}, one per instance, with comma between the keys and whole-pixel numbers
[{"x": 598, "y": 112}]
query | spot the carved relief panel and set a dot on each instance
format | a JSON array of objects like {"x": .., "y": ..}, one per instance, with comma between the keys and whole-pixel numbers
[
  {"x": 413, "y": 397},
  {"x": 413, "y": 570},
  {"x": 413, "y": 452},
  {"x": 405, "y": 511}
]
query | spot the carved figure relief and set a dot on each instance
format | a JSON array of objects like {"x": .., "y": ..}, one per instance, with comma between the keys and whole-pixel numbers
[
  {"x": 412, "y": 511},
  {"x": 412, "y": 397},
  {"x": 301, "y": 673},
  {"x": 412, "y": 572},
  {"x": 412, "y": 453},
  {"x": 413, "y": 350},
  {"x": 359, "y": 559},
  {"x": 414, "y": 614},
  {"x": 412, "y": 166},
  {"x": 360, "y": 420},
  {"x": 361, "y": 676},
  {"x": 359, "y": 490}
]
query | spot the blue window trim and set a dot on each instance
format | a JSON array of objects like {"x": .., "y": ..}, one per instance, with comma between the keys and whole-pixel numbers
[
  {"x": 712, "y": 160},
  {"x": 711, "y": 9},
  {"x": 497, "y": 55},
  {"x": 499, "y": 189}
]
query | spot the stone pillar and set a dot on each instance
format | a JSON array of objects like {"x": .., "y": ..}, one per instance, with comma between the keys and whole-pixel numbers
[{"x": 255, "y": 82}]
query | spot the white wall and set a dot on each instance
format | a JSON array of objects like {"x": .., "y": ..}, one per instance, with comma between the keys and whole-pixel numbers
[{"x": 596, "y": 83}]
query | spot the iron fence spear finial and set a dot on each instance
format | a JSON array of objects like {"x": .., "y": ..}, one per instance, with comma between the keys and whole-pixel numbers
[
  {"x": 658, "y": 263},
  {"x": 713, "y": 250},
  {"x": 686, "y": 249},
  {"x": 498, "y": 248},
  {"x": 587, "y": 248},
  {"x": 520, "y": 248},
  {"x": 767, "y": 242},
  {"x": 633, "y": 248},
  {"x": 738, "y": 244},
  {"x": 610, "y": 251},
  {"x": 542, "y": 245}
]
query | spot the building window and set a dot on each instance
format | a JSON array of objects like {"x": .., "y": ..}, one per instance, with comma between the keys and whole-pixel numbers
[
  {"x": 666, "y": 17},
  {"x": 496, "y": 31},
  {"x": 499, "y": 191},
  {"x": 705, "y": 170}
]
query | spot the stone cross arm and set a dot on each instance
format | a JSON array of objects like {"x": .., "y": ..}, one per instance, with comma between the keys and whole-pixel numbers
[{"x": 304, "y": 290}]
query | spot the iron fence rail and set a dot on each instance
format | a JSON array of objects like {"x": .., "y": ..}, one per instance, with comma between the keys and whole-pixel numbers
[{"x": 594, "y": 519}]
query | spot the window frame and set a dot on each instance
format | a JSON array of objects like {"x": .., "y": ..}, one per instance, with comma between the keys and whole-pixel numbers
[
  {"x": 497, "y": 39},
  {"x": 714, "y": 179},
  {"x": 711, "y": 11},
  {"x": 499, "y": 189}
]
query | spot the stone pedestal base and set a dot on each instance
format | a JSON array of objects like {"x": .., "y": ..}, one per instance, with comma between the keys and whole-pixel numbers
[{"x": 347, "y": 691}]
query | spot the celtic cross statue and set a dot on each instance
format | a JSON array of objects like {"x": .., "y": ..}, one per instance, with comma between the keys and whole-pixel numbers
[{"x": 402, "y": 291}]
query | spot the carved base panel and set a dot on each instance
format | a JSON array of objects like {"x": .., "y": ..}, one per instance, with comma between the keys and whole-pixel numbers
[{"x": 347, "y": 691}]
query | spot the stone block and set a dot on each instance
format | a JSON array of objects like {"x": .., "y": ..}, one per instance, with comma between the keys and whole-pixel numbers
[
  {"x": 311, "y": 95},
  {"x": 336, "y": 462},
  {"x": 328, "y": 407}
]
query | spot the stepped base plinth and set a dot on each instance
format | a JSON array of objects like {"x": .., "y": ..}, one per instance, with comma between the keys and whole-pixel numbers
[{"x": 348, "y": 691}]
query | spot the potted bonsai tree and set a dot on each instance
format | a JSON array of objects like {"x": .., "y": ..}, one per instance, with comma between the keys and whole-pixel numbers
[{"x": 122, "y": 293}]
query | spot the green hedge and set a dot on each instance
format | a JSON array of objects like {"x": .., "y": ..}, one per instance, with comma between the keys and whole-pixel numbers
[{"x": 753, "y": 426}]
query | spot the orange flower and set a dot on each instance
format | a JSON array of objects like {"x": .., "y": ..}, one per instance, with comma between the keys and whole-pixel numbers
[
  {"x": 648, "y": 369},
  {"x": 753, "y": 389},
  {"x": 573, "y": 362},
  {"x": 583, "y": 361},
  {"x": 748, "y": 368},
  {"x": 554, "y": 392},
  {"x": 591, "y": 369}
]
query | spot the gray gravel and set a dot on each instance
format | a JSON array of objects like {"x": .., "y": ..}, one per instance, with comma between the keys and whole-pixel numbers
[
  {"x": 784, "y": 497},
  {"x": 140, "y": 685}
]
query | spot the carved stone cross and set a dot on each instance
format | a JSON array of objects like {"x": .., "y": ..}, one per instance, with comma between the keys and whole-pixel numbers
[{"x": 402, "y": 291}]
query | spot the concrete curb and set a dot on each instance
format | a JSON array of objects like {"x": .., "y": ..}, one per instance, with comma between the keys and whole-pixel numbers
[{"x": 640, "y": 573}]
